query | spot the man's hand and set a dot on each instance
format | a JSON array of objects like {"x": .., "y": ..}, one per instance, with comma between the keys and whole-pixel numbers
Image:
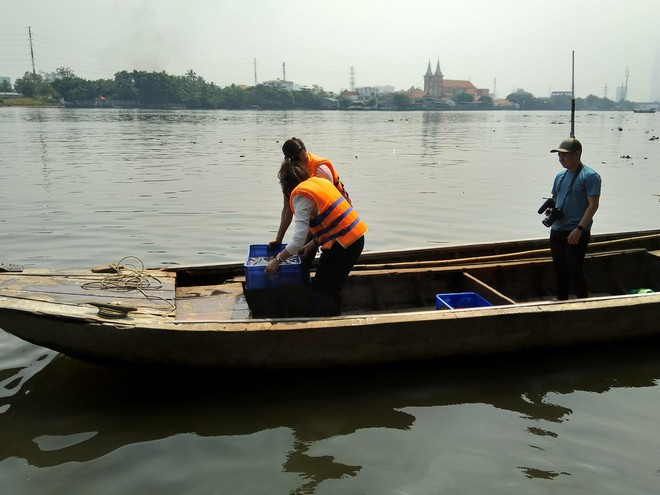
[{"x": 574, "y": 236}]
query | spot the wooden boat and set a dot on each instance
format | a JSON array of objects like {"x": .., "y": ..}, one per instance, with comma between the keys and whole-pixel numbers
[{"x": 198, "y": 316}]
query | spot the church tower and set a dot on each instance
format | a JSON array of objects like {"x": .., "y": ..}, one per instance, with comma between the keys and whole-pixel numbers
[
  {"x": 438, "y": 82},
  {"x": 433, "y": 82},
  {"x": 428, "y": 80}
]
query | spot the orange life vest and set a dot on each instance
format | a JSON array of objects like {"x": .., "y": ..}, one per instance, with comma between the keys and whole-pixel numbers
[
  {"x": 313, "y": 164},
  {"x": 335, "y": 220}
]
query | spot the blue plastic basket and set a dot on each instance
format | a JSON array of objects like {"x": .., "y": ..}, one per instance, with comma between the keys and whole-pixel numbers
[
  {"x": 460, "y": 300},
  {"x": 290, "y": 272}
]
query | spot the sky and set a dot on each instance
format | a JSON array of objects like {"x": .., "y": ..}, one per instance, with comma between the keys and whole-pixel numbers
[{"x": 502, "y": 45}]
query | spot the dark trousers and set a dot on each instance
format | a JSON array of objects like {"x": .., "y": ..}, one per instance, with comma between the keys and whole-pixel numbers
[
  {"x": 307, "y": 261},
  {"x": 331, "y": 272},
  {"x": 568, "y": 260}
]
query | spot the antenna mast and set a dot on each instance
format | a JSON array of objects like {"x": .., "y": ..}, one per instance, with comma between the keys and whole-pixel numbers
[
  {"x": 255, "y": 71},
  {"x": 625, "y": 86},
  {"x": 31, "y": 50},
  {"x": 352, "y": 73},
  {"x": 573, "y": 94}
]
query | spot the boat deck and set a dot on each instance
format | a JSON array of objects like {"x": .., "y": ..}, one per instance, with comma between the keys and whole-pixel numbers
[
  {"x": 212, "y": 302},
  {"x": 370, "y": 289},
  {"x": 150, "y": 294},
  {"x": 411, "y": 287}
]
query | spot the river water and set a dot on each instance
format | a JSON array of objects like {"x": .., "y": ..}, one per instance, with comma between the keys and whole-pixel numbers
[{"x": 88, "y": 187}]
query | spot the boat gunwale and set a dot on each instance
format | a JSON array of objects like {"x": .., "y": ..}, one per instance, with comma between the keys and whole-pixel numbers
[{"x": 368, "y": 257}]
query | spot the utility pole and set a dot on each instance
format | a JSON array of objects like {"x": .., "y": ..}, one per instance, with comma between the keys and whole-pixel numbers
[
  {"x": 255, "y": 71},
  {"x": 31, "y": 50}
]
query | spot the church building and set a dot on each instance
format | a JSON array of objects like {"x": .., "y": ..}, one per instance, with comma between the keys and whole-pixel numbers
[{"x": 436, "y": 86}]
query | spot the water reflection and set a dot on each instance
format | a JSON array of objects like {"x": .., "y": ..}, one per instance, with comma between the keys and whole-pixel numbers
[{"x": 70, "y": 411}]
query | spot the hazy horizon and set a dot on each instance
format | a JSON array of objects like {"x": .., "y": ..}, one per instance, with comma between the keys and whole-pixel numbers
[{"x": 503, "y": 46}]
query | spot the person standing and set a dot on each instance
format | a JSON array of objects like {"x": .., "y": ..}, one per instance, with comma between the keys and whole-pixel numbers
[
  {"x": 320, "y": 209},
  {"x": 576, "y": 194}
]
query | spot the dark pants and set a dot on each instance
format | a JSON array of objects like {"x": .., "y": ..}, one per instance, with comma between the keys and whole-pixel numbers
[
  {"x": 331, "y": 272},
  {"x": 307, "y": 261},
  {"x": 568, "y": 260}
]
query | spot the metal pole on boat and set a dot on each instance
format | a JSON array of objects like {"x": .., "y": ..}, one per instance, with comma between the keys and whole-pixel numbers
[{"x": 573, "y": 94}]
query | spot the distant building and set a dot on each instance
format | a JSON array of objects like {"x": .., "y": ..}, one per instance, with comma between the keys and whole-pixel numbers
[
  {"x": 4, "y": 79},
  {"x": 436, "y": 86},
  {"x": 501, "y": 103},
  {"x": 359, "y": 99},
  {"x": 367, "y": 92},
  {"x": 279, "y": 83},
  {"x": 415, "y": 93},
  {"x": 385, "y": 89},
  {"x": 330, "y": 103},
  {"x": 433, "y": 82},
  {"x": 10, "y": 96},
  {"x": 5, "y": 83},
  {"x": 351, "y": 95}
]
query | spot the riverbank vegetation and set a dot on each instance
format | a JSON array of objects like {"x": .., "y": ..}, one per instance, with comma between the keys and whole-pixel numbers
[{"x": 141, "y": 89}]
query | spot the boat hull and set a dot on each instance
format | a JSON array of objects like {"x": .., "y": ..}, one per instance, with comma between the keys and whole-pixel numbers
[
  {"x": 199, "y": 317},
  {"x": 343, "y": 341}
]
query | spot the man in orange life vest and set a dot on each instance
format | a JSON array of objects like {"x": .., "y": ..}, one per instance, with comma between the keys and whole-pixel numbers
[
  {"x": 321, "y": 209},
  {"x": 294, "y": 149}
]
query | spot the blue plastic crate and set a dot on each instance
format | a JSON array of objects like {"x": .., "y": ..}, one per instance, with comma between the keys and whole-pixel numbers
[
  {"x": 460, "y": 300},
  {"x": 290, "y": 272}
]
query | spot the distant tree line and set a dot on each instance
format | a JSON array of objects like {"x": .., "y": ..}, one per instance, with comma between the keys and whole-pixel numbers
[
  {"x": 162, "y": 90},
  {"x": 159, "y": 89},
  {"x": 527, "y": 101}
]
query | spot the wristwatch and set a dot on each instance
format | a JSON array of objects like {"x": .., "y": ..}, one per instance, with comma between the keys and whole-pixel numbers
[{"x": 580, "y": 228}]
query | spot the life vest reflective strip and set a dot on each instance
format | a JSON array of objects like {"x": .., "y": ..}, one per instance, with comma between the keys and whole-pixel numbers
[
  {"x": 313, "y": 164},
  {"x": 336, "y": 219}
]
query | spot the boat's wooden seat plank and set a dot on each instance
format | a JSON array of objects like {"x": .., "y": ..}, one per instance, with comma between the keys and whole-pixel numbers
[{"x": 488, "y": 292}]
